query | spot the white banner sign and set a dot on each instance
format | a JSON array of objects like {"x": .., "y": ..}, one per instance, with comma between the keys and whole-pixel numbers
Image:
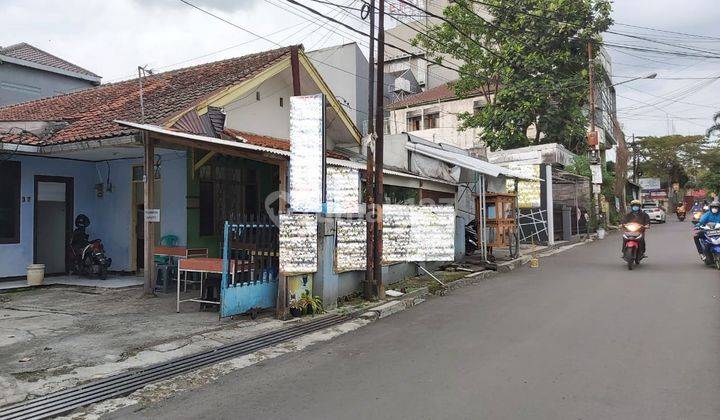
[
  {"x": 649, "y": 184},
  {"x": 350, "y": 245},
  {"x": 298, "y": 243},
  {"x": 596, "y": 172},
  {"x": 418, "y": 233},
  {"x": 307, "y": 156},
  {"x": 343, "y": 190}
]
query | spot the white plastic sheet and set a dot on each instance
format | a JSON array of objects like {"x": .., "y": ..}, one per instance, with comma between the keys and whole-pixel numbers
[
  {"x": 298, "y": 243},
  {"x": 306, "y": 153}
]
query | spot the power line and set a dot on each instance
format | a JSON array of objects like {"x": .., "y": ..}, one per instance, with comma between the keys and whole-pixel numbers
[{"x": 669, "y": 32}]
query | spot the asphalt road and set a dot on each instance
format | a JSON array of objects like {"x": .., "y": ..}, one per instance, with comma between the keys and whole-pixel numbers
[{"x": 579, "y": 338}]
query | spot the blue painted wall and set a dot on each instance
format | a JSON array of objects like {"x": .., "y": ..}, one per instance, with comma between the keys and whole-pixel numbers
[{"x": 110, "y": 215}]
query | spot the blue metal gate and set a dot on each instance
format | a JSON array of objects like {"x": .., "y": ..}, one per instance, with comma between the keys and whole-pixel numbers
[{"x": 250, "y": 267}]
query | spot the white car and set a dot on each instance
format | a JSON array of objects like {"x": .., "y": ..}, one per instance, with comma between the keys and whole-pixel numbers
[{"x": 656, "y": 213}]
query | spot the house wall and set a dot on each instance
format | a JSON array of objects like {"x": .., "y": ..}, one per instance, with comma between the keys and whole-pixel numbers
[
  {"x": 447, "y": 131},
  {"x": 110, "y": 215},
  {"x": 264, "y": 116},
  {"x": 21, "y": 84},
  {"x": 344, "y": 68}
]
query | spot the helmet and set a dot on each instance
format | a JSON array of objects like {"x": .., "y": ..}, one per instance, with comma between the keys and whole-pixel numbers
[
  {"x": 715, "y": 203},
  {"x": 635, "y": 203},
  {"x": 82, "y": 221}
]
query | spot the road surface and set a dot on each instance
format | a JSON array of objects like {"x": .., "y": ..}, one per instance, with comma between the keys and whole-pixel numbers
[{"x": 579, "y": 338}]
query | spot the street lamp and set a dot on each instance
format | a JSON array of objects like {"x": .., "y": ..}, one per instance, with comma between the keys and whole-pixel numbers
[{"x": 648, "y": 76}]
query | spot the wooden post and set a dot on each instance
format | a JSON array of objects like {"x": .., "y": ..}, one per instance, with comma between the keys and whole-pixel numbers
[
  {"x": 281, "y": 303},
  {"x": 148, "y": 195},
  {"x": 295, "y": 69}
]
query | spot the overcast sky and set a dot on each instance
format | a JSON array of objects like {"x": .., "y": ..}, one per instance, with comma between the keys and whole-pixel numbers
[{"x": 111, "y": 38}]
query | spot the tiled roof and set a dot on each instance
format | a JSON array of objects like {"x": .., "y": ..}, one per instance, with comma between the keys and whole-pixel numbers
[
  {"x": 444, "y": 92},
  {"x": 90, "y": 113},
  {"x": 25, "y": 51},
  {"x": 271, "y": 142}
]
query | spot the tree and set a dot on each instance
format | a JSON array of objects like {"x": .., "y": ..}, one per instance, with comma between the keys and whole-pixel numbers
[
  {"x": 675, "y": 159},
  {"x": 530, "y": 62}
]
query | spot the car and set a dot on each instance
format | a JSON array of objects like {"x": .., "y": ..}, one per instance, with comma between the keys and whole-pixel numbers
[{"x": 656, "y": 213}]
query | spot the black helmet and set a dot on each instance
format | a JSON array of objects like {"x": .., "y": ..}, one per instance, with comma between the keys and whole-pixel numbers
[{"x": 82, "y": 221}]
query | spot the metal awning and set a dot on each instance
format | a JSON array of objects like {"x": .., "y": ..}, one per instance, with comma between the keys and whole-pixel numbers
[
  {"x": 464, "y": 161},
  {"x": 201, "y": 140}
]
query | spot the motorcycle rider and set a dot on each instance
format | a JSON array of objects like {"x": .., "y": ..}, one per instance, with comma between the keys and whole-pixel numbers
[
  {"x": 710, "y": 216},
  {"x": 638, "y": 216}
]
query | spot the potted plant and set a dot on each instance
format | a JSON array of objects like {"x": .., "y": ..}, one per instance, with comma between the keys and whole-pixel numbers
[
  {"x": 311, "y": 304},
  {"x": 296, "y": 307}
]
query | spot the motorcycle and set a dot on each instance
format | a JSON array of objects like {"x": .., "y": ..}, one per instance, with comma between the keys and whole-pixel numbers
[
  {"x": 680, "y": 212},
  {"x": 471, "y": 238},
  {"x": 87, "y": 256},
  {"x": 632, "y": 235},
  {"x": 709, "y": 236},
  {"x": 697, "y": 212}
]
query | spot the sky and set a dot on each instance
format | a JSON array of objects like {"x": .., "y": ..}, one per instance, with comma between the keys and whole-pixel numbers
[{"x": 112, "y": 38}]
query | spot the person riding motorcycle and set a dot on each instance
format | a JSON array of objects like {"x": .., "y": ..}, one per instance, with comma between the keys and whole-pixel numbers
[
  {"x": 710, "y": 216},
  {"x": 638, "y": 216}
]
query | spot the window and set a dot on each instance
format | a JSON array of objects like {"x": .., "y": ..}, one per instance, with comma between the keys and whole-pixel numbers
[
  {"x": 413, "y": 123},
  {"x": 400, "y": 195},
  {"x": 431, "y": 120},
  {"x": 207, "y": 209},
  {"x": 10, "y": 202}
]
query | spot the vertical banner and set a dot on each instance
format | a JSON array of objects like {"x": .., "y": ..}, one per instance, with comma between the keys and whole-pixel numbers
[
  {"x": 307, "y": 153},
  {"x": 350, "y": 245}
]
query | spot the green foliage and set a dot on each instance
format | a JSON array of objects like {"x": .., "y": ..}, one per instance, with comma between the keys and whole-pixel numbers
[
  {"x": 533, "y": 53},
  {"x": 710, "y": 181},
  {"x": 311, "y": 304},
  {"x": 674, "y": 158}
]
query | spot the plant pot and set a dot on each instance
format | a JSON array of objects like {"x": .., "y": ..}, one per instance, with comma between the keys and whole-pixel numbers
[
  {"x": 295, "y": 312},
  {"x": 35, "y": 274}
]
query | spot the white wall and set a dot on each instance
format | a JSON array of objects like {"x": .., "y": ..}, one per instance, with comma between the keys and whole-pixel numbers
[
  {"x": 264, "y": 116},
  {"x": 447, "y": 131}
]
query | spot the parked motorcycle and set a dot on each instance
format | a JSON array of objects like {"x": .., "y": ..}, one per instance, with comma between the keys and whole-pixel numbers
[
  {"x": 87, "y": 257},
  {"x": 709, "y": 236},
  {"x": 632, "y": 236},
  {"x": 471, "y": 238}
]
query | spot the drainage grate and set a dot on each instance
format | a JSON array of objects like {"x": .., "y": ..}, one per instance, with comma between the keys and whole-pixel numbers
[{"x": 70, "y": 399}]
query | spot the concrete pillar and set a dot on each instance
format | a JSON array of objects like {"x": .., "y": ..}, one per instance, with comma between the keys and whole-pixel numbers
[{"x": 549, "y": 204}]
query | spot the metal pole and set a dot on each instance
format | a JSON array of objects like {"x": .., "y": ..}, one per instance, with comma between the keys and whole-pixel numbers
[
  {"x": 379, "y": 128},
  {"x": 369, "y": 171}
]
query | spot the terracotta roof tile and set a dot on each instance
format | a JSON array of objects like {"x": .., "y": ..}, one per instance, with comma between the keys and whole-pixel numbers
[
  {"x": 27, "y": 52},
  {"x": 90, "y": 113},
  {"x": 445, "y": 92},
  {"x": 271, "y": 142}
]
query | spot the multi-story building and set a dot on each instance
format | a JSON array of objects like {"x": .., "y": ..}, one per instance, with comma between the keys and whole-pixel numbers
[
  {"x": 28, "y": 73},
  {"x": 433, "y": 115}
]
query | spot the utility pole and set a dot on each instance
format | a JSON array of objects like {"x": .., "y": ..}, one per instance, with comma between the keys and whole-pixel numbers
[
  {"x": 369, "y": 287},
  {"x": 593, "y": 154},
  {"x": 379, "y": 291}
]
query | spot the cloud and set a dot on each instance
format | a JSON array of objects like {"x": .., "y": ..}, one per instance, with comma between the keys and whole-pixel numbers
[{"x": 221, "y": 5}]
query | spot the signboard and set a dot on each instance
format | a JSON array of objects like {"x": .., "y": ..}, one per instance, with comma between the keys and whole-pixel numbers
[
  {"x": 298, "y": 243},
  {"x": 343, "y": 190},
  {"x": 152, "y": 215},
  {"x": 307, "y": 153},
  {"x": 528, "y": 193},
  {"x": 350, "y": 245},
  {"x": 418, "y": 233},
  {"x": 596, "y": 172},
  {"x": 649, "y": 184}
]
